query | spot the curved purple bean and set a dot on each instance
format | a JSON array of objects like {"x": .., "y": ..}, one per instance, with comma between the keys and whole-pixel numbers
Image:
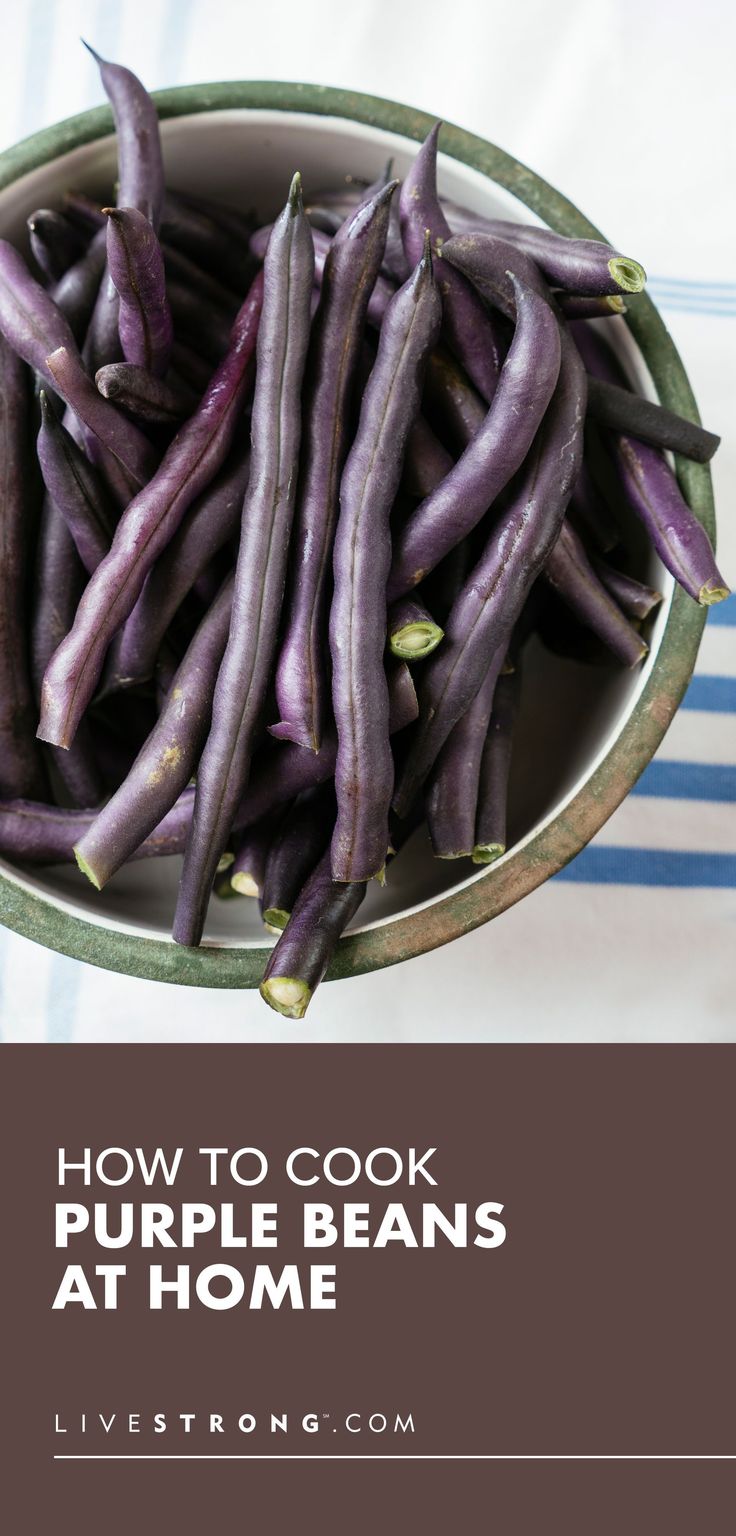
[
  {"x": 75, "y": 488},
  {"x": 352, "y": 267},
  {"x": 426, "y": 461},
  {"x": 261, "y": 571},
  {"x": 44, "y": 834},
  {"x": 499, "y": 447},
  {"x": 140, "y": 161},
  {"x": 75, "y": 293},
  {"x": 301, "y": 956},
  {"x": 383, "y": 290},
  {"x": 451, "y": 793},
  {"x": 136, "y": 267},
  {"x": 364, "y": 770},
  {"x": 29, "y": 319},
  {"x": 296, "y": 847},
  {"x": 490, "y": 826},
  {"x": 55, "y": 244},
  {"x": 655, "y": 496},
  {"x": 210, "y": 522},
  {"x": 468, "y": 329},
  {"x": 21, "y": 765},
  {"x": 489, "y": 604},
  {"x": 570, "y": 573},
  {"x": 109, "y": 427},
  {"x": 588, "y": 267},
  {"x": 135, "y": 390},
  {"x": 145, "y": 529},
  {"x": 167, "y": 758},
  {"x": 633, "y": 596}
]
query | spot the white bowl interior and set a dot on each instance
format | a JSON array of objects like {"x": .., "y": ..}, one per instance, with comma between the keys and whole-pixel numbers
[{"x": 571, "y": 713}]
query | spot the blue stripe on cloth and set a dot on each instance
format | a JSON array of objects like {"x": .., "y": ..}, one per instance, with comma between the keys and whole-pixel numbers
[
  {"x": 688, "y": 781},
  {"x": 645, "y": 866},
  {"x": 723, "y": 613},
  {"x": 698, "y": 284},
  {"x": 683, "y": 307},
  {"x": 714, "y": 693}
]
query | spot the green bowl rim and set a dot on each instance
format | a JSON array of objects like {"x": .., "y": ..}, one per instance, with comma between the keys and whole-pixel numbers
[{"x": 38, "y": 917}]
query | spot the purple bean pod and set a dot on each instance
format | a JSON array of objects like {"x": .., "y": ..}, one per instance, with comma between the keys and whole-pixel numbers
[
  {"x": 364, "y": 770},
  {"x": 261, "y": 570},
  {"x": 302, "y": 678},
  {"x": 426, "y": 461},
  {"x": 633, "y": 596},
  {"x": 111, "y": 429},
  {"x": 55, "y": 243},
  {"x": 75, "y": 488},
  {"x": 576, "y": 306},
  {"x": 571, "y": 575},
  {"x": 300, "y": 958},
  {"x": 251, "y": 852},
  {"x": 221, "y": 251},
  {"x": 161, "y": 401},
  {"x": 296, "y": 847},
  {"x": 491, "y": 821},
  {"x": 469, "y": 330},
  {"x": 587, "y": 267},
  {"x": 489, "y": 604},
  {"x": 498, "y": 449},
  {"x": 167, "y": 758},
  {"x": 140, "y": 161},
  {"x": 21, "y": 764},
  {"x": 624, "y": 411},
  {"x": 75, "y": 293},
  {"x": 451, "y": 792},
  {"x": 383, "y": 290},
  {"x": 198, "y": 322},
  {"x": 44, "y": 834},
  {"x": 145, "y": 529},
  {"x": 136, "y": 266}
]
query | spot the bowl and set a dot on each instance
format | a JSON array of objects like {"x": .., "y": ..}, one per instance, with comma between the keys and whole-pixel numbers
[{"x": 585, "y": 733}]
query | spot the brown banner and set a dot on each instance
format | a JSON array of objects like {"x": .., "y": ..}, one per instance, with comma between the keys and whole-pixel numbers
[{"x": 584, "y": 1347}]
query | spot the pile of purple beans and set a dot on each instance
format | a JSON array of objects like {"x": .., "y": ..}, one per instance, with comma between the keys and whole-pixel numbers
[{"x": 250, "y": 476}]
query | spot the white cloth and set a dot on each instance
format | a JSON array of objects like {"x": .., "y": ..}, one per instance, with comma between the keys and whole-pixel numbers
[{"x": 629, "y": 109}]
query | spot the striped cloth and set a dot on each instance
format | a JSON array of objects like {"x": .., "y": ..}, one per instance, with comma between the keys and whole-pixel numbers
[{"x": 629, "y": 109}]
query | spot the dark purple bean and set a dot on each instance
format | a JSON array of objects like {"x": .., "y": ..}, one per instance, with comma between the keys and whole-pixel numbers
[
  {"x": 194, "y": 370},
  {"x": 189, "y": 274},
  {"x": 468, "y": 329},
  {"x": 233, "y": 221},
  {"x": 519, "y": 543},
  {"x": 75, "y": 293},
  {"x": 633, "y": 596},
  {"x": 575, "y": 306},
  {"x": 383, "y": 289},
  {"x": 29, "y": 318},
  {"x": 109, "y": 427},
  {"x": 412, "y": 632},
  {"x": 206, "y": 241},
  {"x": 281, "y": 773},
  {"x": 136, "y": 267},
  {"x": 296, "y": 847},
  {"x": 55, "y": 244},
  {"x": 198, "y": 322},
  {"x": 251, "y": 851},
  {"x": 136, "y": 390},
  {"x": 261, "y": 571},
  {"x": 426, "y": 461},
  {"x": 623, "y": 411},
  {"x": 652, "y": 490},
  {"x": 75, "y": 488},
  {"x": 587, "y": 267},
  {"x": 145, "y": 529},
  {"x": 491, "y": 264},
  {"x": 454, "y": 406},
  {"x": 361, "y": 559},
  {"x": 59, "y": 582},
  {"x": 571, "y": 575},
  {"x": 84, "y": 211},
  {"x": 490, "y": 827},
  {"x": 43, "y": 834},
  {"x": 209, "y": 523},
  {"x": 302, "y": 679},
  {"x": 140, "y": 161},
  {"x": 300, "y": 959},
  {"x": 21, "y": 764},
  {"x": 589, "y": 508},
  {"x": 451, "y": 794},
  {"x": 167, "y": 758},
  {"x": 527, "y": 380}
]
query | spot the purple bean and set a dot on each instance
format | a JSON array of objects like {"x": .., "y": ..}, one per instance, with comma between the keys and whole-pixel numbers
[
  {"x": 75, "y": 293},
  {"x": 652, "y": 490},
  {"x": 587, "y": 267},
  {"x": 575, "y": 306},
  {"x": 29, "y": 318},
  {"x": 633, "y": 596},
  {"x": 140, "y": 161},
  {"x": 194, "y": 369},
  {"x": 55, "y": 244},
  {"x": 527, "y": 380},
  {"x": 383, "y": 289},
  {"x": 623, "y": 411},
  {"x": 490, "y": 827},
  {"x": 352, "y": 267},
  {"x": 364, "y": 770},
  {"x": 468, "y": 329},
  {"x": 412, "y": 632},
  {"x": 135, "y": 390},
  {"x": 145, "y": 529},
  {"x": 426, "y": 461},
  {"x": 300, "y": 959},
  {"x": 210, "y": 522},
  {"x": 452, "y": 403},
  {"x": 261, "y": 571},
  {"x": 189, "y": 274},
  {"x": 136, "y": 267},
  {"x": 220, "y": 250},
  {"x": 76, "y": 489},
  {"x": 167, "y": 758},
  {"x": 588, "y": 505},
  {"x": 43, "y": 834},
  {"x": 113, "y": 431},
  {"x": 451, "y": 794},
  {"x": 251, "y": 851},
  {"x": 570, "y": 573},
  {"x": 196, "y": 320},
  {"x": 21, "y": 765},
  {"x": 519, "y": 543},
  {"x": 296, "y": 847}
]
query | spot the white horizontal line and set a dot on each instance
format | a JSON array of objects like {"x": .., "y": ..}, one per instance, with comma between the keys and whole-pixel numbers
[
  {"x": 695, "y": 736},
  {"x": 356, "y": 1456}
]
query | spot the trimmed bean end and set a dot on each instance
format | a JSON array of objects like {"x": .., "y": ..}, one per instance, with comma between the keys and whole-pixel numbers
[
  {"x": 287, "y": 995},
  {"x": 629, "y": 274},
  {"x": 87, "y": 869},
  {"x": 487, "y": 853},
  {"x": 416, "y": 640},
  {"x": 244, "y": 883},
  {"x": 711, "y": 593},
  {"x": 276, "y": 919}
]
